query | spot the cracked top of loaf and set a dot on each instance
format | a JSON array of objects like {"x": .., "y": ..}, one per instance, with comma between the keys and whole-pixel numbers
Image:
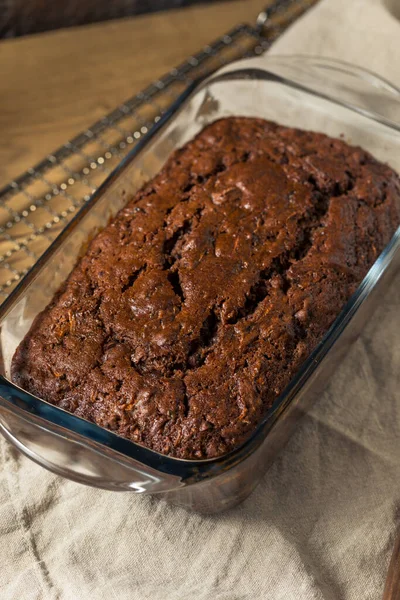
[{"x": 194, "y": 308}]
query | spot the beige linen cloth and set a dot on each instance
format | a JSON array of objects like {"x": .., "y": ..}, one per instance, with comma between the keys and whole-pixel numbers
[{"x": 321, "y": 524}]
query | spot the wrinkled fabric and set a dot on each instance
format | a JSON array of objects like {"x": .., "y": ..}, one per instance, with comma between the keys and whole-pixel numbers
[{"x": 320, "y": 526}]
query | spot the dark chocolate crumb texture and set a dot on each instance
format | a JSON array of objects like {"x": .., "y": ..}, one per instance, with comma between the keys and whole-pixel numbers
[{"x": 194, "y": 308}]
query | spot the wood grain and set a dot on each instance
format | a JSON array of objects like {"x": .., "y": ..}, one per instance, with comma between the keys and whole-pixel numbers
[
  {"x": 56, "y": 84},
  {"x": 22, "y": 17},
  {"x": 392, "y": 587}
]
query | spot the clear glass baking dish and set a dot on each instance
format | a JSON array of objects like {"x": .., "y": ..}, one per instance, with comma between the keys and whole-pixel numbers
[{"x": 327, "y": 96}]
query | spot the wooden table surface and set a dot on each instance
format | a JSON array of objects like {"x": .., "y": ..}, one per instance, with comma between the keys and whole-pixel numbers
[{"x": 56, "y": 84}]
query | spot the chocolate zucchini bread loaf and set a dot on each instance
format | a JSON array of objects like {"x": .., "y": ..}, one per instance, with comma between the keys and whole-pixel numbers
[{"x": 193, "y": 309}]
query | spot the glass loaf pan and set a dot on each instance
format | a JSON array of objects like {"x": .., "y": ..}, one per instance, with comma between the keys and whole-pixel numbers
[{"x": 317, "y": 94}]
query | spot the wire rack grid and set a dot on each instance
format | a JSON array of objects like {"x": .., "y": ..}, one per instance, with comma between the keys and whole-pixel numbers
[{"x": 37, "y": 205}]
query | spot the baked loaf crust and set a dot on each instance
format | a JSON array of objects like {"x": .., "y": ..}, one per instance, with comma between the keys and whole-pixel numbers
[{"x": 194, "y": 308}]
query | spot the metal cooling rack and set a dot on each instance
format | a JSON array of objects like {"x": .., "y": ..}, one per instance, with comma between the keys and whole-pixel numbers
[{"x": 38, "y": 204}]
